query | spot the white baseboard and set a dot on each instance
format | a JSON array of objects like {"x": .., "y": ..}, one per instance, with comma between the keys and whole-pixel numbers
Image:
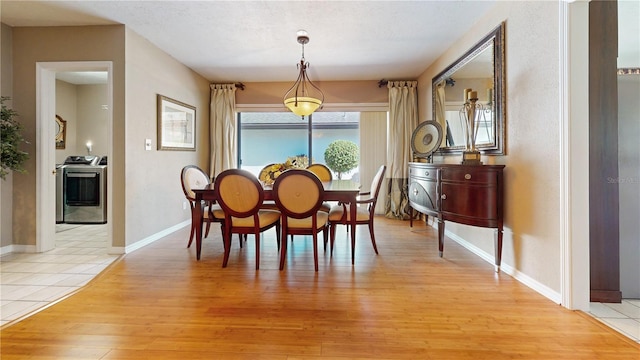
[
  {"x": 13, "y": 248},
  {"x": 157, "y": 236},
  {"x": 507, "y": 269},
  {"x": 116, "y": 250}
]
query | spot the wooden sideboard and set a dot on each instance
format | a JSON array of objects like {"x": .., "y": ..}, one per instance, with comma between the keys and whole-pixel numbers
[{"x": 465, "y": 194}]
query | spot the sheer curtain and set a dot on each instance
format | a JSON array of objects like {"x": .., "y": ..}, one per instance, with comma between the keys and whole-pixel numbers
[
  {"x": 222, "y": 125},
  {"x": 403, "y": 119}
]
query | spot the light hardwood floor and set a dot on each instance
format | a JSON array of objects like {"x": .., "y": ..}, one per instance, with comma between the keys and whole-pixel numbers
[{"x": 406, "y": 303}]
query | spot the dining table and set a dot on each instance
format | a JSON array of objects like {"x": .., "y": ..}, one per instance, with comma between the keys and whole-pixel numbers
[{"x": 342, "y": 191}]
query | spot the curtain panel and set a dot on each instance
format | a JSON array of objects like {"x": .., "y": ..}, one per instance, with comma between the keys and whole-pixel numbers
[
  {"x": 223, "y": 138},
  {"x": 403, "y": 119},
  {"x": 441, "y": 110}
]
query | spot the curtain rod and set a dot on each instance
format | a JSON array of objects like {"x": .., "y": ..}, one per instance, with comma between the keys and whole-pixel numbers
[
  {"x": 384, "y": 82},
  {"x": 239, "y": 85}
]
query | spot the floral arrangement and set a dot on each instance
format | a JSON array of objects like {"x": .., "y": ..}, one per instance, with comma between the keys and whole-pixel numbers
[
  {"x": 297, "y": 162},
  {"x": 269, "y": 174}
]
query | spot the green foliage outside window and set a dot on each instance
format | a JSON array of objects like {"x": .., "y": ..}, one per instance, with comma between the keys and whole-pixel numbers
[
  {"x": 11, "y": 134},
  {"x": 342, "y": 156}
]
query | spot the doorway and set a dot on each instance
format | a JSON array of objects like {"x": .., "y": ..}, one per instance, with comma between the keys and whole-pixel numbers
[{"x": 77, "y": 139}]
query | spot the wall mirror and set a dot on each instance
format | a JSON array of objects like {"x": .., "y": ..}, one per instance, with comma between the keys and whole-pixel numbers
[{"x": 481, "y": 69}]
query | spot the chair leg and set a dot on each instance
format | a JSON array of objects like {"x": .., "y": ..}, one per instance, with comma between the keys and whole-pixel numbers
[
  {"x": 283, "y": 249},
  {"x": 332, "y": 230},
  {"x": 257, "y": 250},
  {"x": 278, "y": 236},
  {"x": 222, "y": 232},
  {"x": 325, "y": 237},
  {"x": 373, "y": 237},
  {"x": 191, "y": 235},
  {"x": 315, "y": 249},
  {"x": 206, "y": 233},
  {"x": 227, "y": 246}
]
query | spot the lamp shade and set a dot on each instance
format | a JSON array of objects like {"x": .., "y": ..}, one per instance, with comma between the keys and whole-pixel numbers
[{"x": 302, "y": 106}]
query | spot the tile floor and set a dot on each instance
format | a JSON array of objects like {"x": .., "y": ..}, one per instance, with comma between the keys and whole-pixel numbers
[
  {"x": 623, "y": 317},
  {"x": 30, "y": 282}
]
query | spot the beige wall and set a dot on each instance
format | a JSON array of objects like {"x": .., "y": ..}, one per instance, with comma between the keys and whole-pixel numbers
[
  {"x": 335, "y": 93},
  {"x": 532, "y": 178},
  {"x": 154, "y": 195},
  {"x": 81, "y": 107},
  {"x": 6, "y": 89},
  {"x": 93, "y": 120},
  {"x": 56, "y": 44}
]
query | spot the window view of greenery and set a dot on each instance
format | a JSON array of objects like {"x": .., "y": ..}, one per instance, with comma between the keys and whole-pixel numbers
[{"x": 275, "y": 137}]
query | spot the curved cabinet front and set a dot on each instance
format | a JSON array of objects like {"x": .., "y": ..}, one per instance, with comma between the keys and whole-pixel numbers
[{"x": 465, "y": 194}]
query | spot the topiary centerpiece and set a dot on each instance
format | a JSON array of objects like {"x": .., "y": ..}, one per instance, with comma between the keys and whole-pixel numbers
[
  {"x": 342, "y": 156},
  {"x": 11, "y": 157}
]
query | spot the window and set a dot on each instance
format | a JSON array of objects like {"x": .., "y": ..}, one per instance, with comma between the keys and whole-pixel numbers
[{"x": 271, "y": 137}]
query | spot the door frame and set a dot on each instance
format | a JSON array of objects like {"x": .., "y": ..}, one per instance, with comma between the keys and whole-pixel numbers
[{"x": 45, "y": 145}]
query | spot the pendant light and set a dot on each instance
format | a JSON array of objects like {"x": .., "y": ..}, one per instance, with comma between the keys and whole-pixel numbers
[{"x": 304, "y": 97}]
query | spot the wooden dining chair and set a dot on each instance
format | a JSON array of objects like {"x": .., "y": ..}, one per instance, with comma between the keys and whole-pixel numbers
[
  {"x": 192, "y": 177},
  {"x": 240, "y": 196},
  {"x": 324, "y": 174},
  {"x": 298, "y": 194},
  {"x": 322, "y": 171},
  {"x": 365, "y": 211}
]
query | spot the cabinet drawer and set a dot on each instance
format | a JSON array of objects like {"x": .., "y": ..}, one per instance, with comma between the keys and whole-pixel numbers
[
  {"x": 423, "y": 173},
  {"x": 423, "y": 195},
  {"x": 469, "y": 175}
]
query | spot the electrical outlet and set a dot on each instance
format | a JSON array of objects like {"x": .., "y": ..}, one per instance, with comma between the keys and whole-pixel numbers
[{"x": 184, "y": 205}]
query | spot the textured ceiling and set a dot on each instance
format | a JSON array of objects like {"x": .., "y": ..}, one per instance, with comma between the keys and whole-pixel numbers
[{"x": 256, "y": 40}]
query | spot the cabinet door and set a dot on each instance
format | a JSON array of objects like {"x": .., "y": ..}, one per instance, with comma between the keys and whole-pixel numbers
[{"x": 470, "y": 197}]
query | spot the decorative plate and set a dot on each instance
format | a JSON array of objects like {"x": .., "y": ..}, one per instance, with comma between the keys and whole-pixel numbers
[{"x": 426, "y": 138}]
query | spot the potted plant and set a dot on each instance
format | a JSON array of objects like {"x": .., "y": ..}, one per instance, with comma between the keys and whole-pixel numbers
[
  {"x": 11, "y": 134},
  {"x": 342, "y": 156}
]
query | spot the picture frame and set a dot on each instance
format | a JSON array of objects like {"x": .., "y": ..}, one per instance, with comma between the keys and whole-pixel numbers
[
  {"x": 61, "y": 132},
  {"x": 176, "y": 125}
]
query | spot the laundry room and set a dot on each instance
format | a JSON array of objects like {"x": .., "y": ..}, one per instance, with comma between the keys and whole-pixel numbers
[{"x": 81, "y": 147}]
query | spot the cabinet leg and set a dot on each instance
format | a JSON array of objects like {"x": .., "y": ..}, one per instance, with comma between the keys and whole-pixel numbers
[
  {"x": 498, "y": 250},
  {"x": 440, "y": 237}
]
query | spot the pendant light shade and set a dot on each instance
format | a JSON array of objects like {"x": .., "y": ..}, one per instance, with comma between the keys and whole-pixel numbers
[{"x": 304, "y": 97}]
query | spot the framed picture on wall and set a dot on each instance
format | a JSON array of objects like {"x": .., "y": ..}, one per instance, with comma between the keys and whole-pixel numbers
[
  {"x": 61, "y": 133},
  {"x": 176, "y": 125}
]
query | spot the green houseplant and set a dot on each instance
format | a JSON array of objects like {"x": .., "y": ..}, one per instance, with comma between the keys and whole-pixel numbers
[
  {"x": 11, "y": 133},
  {"x": 342, "y": 156}
]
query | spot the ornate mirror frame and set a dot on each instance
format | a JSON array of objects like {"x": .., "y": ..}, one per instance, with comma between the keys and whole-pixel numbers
[{"x": 494, "y": 39}]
